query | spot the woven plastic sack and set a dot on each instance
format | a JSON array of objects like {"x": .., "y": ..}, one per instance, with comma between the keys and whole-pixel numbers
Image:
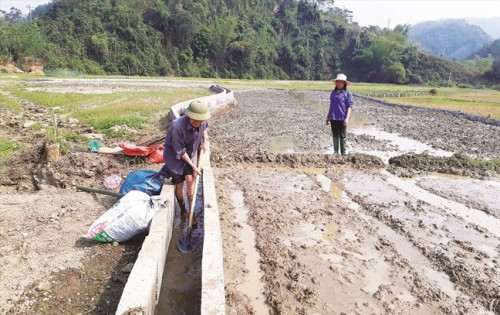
[
  {"x": 131, "y": 215},
  {"x": 147, "y": 181}
]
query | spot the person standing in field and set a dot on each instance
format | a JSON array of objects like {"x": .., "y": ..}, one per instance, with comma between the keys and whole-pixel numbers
[
  {"x": 186, "y": 135},
  {"x": 339, "y": 113}
]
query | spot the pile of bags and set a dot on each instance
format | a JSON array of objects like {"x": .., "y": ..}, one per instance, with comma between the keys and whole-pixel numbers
[{"x": 133, "y": 213}]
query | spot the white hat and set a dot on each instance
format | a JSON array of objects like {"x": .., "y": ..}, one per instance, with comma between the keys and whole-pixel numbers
[{"x": 342, "y": 77}]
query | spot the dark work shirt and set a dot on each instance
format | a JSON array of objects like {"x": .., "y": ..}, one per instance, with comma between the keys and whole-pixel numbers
[
  {"x": 182, "y": 138},
  {"x": 340, "y": 101}
]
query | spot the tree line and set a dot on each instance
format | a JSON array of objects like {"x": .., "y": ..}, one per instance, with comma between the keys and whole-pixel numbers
[{"x": 249, "y": 39}]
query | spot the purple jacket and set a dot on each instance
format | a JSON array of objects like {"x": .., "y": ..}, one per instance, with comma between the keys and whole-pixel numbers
[
  {"x": 340, "y": 101},
  {"x": 182, "y": 138}
]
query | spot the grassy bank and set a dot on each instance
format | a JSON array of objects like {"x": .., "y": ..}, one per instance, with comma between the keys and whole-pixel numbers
[
  {"x": 103, "y": 111},
  {"x": 10, "y": 104},
  {"x": 7, "y": 148},
  {"x": 484, "y": 103}
]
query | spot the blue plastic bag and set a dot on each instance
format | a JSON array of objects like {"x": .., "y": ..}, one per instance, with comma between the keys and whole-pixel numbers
[{"x": 147, "y": 181}]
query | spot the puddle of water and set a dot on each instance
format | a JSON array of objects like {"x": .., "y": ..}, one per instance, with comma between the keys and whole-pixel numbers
[
  {"x": 334, "y": 189},
  {"x": 376, "y": 278},
  {"x": 324, "y": 181},
  {"x": 403, "y": 144},
  {"x": 494, "y": 183},
  {"x": 281, "y": 145},
  {"x": 307, "y": 234},
  {"x": 180, "y": 291},
  {"x": 252, "y": 286},
  {"x": 349, "y": 235},
  {"x": 408, "y": 251},
  {"x": 448, "y": 176},
  {"x": 359, "y": 122},
  {"x": 310, "y": 235},
  {"x": 332, "y": 258},
  {"x": 470, "y": 215},
  {"x": 332, "y": 233}
]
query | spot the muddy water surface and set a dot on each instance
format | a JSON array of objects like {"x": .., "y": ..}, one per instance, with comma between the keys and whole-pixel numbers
[{"x": 251, "y": 283}]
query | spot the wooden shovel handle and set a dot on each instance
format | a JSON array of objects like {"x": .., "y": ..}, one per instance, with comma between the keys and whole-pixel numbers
[{"x": 195, "y": 191}]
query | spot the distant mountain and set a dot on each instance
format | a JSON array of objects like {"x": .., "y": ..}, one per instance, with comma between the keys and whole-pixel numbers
[
  {"x": 490, "y": 26},
  {"x": 490, "y": 49},
  {"x": 451, "y": 38}
]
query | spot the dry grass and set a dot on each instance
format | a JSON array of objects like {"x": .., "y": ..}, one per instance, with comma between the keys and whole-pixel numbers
[{"x": 475, "y": 102}]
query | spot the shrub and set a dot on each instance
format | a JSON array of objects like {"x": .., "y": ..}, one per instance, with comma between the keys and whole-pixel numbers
[
  {"x": 414, "y": 79},
  {"x": 92, "y": 67}
]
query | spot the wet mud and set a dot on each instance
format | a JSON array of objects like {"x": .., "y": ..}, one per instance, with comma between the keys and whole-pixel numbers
[
  {"x": 481, "y": 195},
  {"x": 353, "y": 234}
]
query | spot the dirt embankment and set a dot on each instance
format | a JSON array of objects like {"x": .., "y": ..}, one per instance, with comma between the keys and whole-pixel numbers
[
  {"x": 46, "y": 266},
  {"x": 337, "y": 236}
]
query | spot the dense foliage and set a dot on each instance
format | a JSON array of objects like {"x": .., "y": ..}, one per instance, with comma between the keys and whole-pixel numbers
[
  {"x": 491, "y": 52},
  {"x": 277, "y": 39}
]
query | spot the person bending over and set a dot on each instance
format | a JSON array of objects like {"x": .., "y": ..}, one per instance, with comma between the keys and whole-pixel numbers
[{"x": 185, "y": 136}]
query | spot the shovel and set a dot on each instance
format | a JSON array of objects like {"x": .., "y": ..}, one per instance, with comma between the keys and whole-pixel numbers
[{"x": 187, "y": 244}]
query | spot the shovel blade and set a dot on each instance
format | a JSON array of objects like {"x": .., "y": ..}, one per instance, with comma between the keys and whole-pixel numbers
[{"x": 187, "y": 244}]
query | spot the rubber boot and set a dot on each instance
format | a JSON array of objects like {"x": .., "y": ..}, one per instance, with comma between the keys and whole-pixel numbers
[
  {"x": 336, "y": 143},
  {"x": 343, "y": 146}
]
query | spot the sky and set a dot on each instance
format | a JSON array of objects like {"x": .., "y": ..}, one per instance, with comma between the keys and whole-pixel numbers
[
  {"x": 389, "y": 13},
  {"x": 382, "y": 13},
  {"x": 21, "y": 4}
]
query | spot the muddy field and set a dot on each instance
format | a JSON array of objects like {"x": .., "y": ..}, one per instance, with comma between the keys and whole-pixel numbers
[{"x": 306, "y": 232}]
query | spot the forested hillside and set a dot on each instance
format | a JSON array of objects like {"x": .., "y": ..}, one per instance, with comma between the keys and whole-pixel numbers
[
  {"x": 492, "y": 50},
  {"x": 449, "y": 38},
  {"x": 490, "y": 25},
  {"x": 277, "y": 39}
]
